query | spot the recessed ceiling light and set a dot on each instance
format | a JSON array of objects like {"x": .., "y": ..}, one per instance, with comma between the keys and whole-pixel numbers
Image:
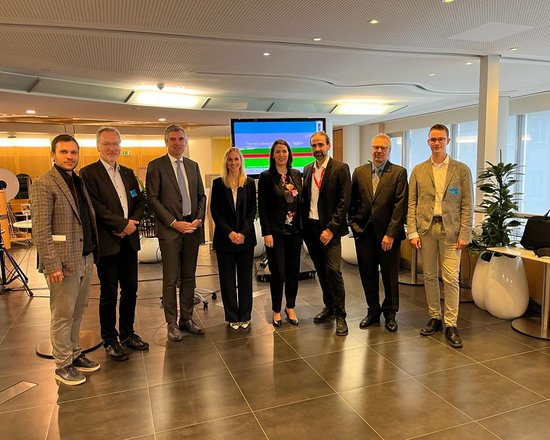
[
  {"x": 316, "y": 38},
  {"x": 30, "y": 112},
  {"x": 266, "y": 54},
  {"x": 469, "y": 63},
  {"x": 447, "y": 1},
  {"x": 432, "y": 74},
  {"x": 162, "y": 119},
  {"x": 513, "y": 49},
  {"x": 374, "y": 21}
]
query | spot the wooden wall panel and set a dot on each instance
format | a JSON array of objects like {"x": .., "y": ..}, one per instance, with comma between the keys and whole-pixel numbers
[{"x": 338, "y": 144}]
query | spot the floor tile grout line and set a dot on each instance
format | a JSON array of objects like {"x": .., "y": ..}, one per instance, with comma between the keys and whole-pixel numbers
[
  {"x": 237, "y": 385},
  {"x": 342, "y": 398}
]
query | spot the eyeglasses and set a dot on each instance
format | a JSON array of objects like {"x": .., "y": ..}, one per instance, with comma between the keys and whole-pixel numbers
[
  {"x": 434, "y": 140},
  {"x": 110, "y": 144},
  {"x": 379, "y": 147}
]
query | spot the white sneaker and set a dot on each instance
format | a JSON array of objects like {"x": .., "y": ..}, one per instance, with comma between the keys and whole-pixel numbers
[
  {"x": 235, "y": 325},
  {"x": 245, "y": 324}
]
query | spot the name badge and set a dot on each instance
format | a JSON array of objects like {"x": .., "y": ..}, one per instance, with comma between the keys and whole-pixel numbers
[
  {"x": 133, "y": 193},
  {"x": 454, "y": 190}
]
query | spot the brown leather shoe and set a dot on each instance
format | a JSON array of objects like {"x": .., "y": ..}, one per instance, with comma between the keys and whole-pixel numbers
[
  {"x": 191, "y": 327},
  {"x": 433, "y": 325},
  {"x": 174, "y": 333},
  {"x": 341, "y": 326},
  {"x": 451, "y": 333}
]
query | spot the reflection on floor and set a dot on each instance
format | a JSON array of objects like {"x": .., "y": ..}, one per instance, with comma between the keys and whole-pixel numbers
[{"x": 291, "y": 383}]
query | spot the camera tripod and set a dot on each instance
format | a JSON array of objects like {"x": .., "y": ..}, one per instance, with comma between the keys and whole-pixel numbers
[{"x": 7, "y": 275}]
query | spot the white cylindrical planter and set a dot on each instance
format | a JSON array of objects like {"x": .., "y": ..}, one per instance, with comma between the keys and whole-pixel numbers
[
  {"x": 260, "y": 246},
  {"x": 348, "y": 250},
  {"x": 479, "y": 283},
  {"x": 507, "y": 292},
  {"x": 150, "y": 251}
]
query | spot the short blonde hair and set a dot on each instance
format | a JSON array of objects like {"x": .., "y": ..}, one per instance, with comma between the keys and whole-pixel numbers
[{"x": 225, "y": 175}]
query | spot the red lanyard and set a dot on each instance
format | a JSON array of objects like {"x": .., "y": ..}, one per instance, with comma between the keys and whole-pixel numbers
[{"x": 320, "y": 181}]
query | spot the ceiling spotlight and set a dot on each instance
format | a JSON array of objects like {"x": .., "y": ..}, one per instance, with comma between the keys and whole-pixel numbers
[
  {"x": 469, "y": 63},
  {"x": 432, "y": 74},
  {"x": 447, "y": 1},
  {"x": 374, "y": 21},
  {"x": 30, "y": 112},
  {"x": 513, "y": 49},
  {"x": 266, "y": 54},
  {"x": 162, "y": 119},
  {"x": 316, "y": 38}
]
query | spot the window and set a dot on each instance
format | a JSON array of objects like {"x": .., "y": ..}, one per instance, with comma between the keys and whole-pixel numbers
[
  {"x": 396, "y": 155},
  {"x": 534, "y": 162},
  {"x": 465, "y": 145}
]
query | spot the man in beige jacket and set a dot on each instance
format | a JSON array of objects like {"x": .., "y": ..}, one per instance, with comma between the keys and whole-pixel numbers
[{"x": 439, "y": 224}]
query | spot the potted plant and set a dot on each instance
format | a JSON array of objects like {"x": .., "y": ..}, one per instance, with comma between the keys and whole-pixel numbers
[{"x": 499, "y": 284}]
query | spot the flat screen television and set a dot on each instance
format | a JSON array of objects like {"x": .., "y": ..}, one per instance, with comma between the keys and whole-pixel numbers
[{"x": 254, "y": 138}]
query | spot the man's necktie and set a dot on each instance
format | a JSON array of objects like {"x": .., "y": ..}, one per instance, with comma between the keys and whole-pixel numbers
[
  {"x": 185, "y": 201},
  {"x": 375, "y": 180}
]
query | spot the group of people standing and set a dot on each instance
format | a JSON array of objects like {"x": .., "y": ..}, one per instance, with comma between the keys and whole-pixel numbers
[
  {"x": 94, "y": 218},
  {"x": 320, "y": 206}
]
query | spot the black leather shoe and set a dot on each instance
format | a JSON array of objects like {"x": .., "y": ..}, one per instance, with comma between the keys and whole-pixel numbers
[
  {"x": 341, "y": 326},
  {"x": 191, "y": 327},
  {"x": 135, "y": 343},
  {"x": 451, "y": 333},
  {"x": 292, "y": 321},
  {"x": 324, "y": 315},
  {"x": 370, "y": 319},
  {"x": 276, "y": 322},
  {"x": 115, "y": 352},
  {"x": 433, "y": 325},
  {"x": 391, "y": 324}
]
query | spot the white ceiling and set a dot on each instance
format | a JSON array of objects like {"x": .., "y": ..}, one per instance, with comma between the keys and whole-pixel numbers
[{"x": 82, "y": 58}]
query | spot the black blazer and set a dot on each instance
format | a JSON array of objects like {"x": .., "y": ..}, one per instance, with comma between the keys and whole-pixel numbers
[
  {"x": 334, "y": 197},
  {"x": 228, "y": 217},
  {"x": 163, "y": 194},
  {"x": 272, "y": 203},
  {"x": 107, "y": 207},
  {"x": 387, "y": 209}
]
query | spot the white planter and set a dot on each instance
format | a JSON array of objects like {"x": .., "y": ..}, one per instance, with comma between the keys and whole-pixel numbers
[
  {"x": 479, "y": 283},
  {"x": 507, "y": 293},
  {"x": 260, "y": 247},
  {"x": 150, "y": 251},
  {"x": 349, "y": 255}
]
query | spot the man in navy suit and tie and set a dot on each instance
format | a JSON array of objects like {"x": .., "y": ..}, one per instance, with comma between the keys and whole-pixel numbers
[
  {"x": 118, "y": 205},
  {"x": 176, "y": 194},
  {"x": 326, "y": 198},
  {"x": 377, "y": 214}
]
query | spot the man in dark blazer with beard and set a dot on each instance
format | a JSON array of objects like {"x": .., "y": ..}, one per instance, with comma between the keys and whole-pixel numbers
[
  {"x": 119, "y": 206},
  {"x": 326, "y": 197},
  {"x": 176, "y": 194},
  {"x": 377, "y": 214}
]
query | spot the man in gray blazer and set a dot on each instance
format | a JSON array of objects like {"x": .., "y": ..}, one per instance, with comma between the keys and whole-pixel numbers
[
  {"x": 439, "y": 224},
  {"x": 119, "y": 206},
  {"x": 65, "y": 235},
  {"x": 377, "y": 214},
  {"x": 176, "y": 194}
]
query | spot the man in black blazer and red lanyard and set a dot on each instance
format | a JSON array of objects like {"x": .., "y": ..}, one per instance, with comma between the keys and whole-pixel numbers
[
  {"x": 377, "y": 214},
  {"x": 176, "y": 195},
  {"x": 118, "y": 205},
  {"x": 326, "y": 198}
]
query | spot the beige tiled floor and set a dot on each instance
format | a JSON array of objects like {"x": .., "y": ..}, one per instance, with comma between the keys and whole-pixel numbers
[{"x": 291, "y": 383}]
